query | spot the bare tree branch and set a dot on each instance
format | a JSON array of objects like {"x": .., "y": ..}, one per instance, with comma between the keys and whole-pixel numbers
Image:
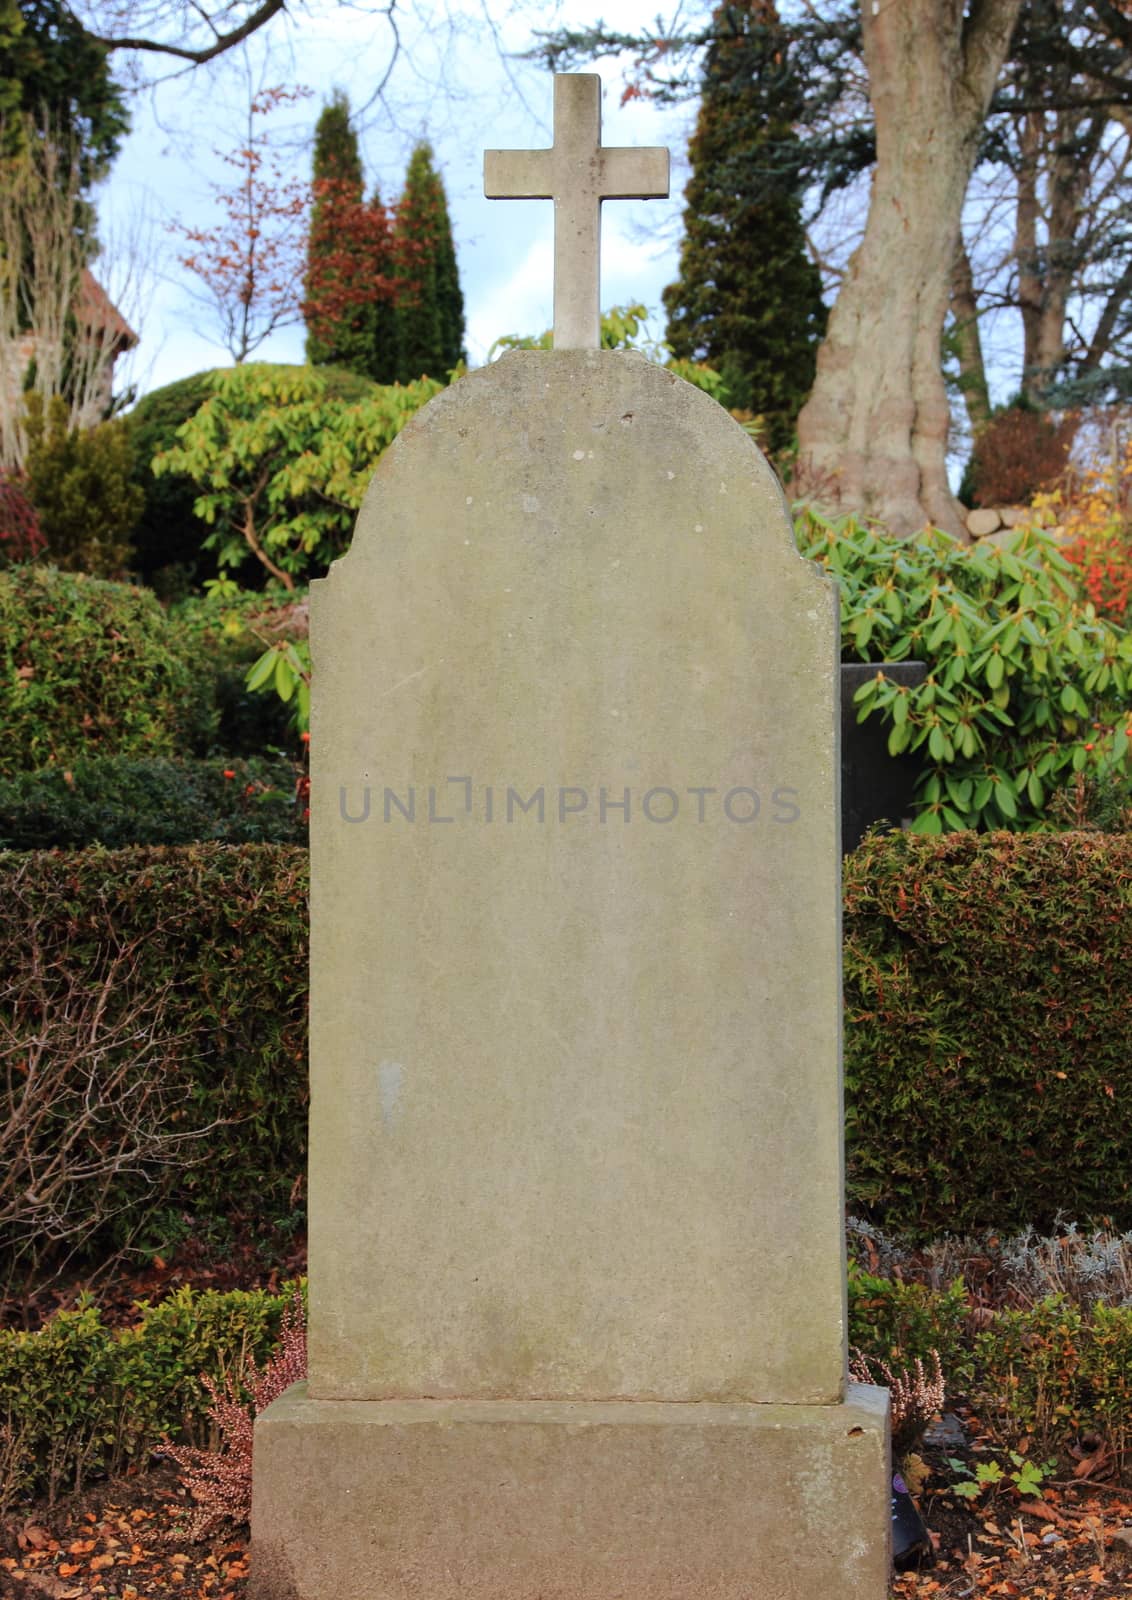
[{"x": 197, "y": 58}]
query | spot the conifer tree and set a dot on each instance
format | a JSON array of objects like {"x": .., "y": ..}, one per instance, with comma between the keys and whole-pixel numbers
[
  {"x": 349, "y": 281},
  {"x": 430, "y": 305},
  {"x": 748, "y": 298},
  {"x": 382, "y": 365}
]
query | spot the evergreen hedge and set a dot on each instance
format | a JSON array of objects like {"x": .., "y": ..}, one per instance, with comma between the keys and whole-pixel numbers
[
  {"x": 194, "y": 958},
  {"x": 119, "y": 800},
  {"x": 987, "y": 1027},
  {"x": 988, "y": 1030}
]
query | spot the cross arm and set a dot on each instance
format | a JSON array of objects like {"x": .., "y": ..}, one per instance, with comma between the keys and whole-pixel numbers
[
  {"x": 518, "y": 174},
  {"x": 633, "y": 172}
]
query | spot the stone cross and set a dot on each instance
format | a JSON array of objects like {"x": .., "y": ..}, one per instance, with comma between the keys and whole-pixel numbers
[{"x": 577, "y": 173}]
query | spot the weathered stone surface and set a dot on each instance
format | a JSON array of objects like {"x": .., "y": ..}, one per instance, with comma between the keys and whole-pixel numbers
[
  {"x": 485, "y": 1500},
  {"x": 983, "y": 522},
  {"x": 575, "y": 1122}
]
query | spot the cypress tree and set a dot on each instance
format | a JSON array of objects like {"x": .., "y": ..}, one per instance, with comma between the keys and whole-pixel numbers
[
  {"x": 382, "y": 365},
  {"x": 430, "y": 305},
  {"x": 349, "y": 278},
  {"x": 748, "y": 298}
]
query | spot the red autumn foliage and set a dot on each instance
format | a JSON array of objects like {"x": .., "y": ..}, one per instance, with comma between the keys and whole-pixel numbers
[
  {"x": 251, "y": 264},
  {"x": 350, "y": 257},
  {"x": 1019, "y": 454},
  {"x": 21, "y": 538}
]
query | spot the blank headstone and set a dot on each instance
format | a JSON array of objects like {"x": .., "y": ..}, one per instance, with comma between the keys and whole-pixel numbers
[{"x": 576, "y": 1251}]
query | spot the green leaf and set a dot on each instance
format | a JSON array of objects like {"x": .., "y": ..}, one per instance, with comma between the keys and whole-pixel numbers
[
  {"x": 284, "y": 679},
  {"x": 1005, "y": 800},
  {"x": 939, "y": 633},
  {"x": 259, "y": 673}
]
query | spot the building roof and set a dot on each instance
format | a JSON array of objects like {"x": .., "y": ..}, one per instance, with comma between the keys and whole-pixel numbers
[{"x": 98, "y": 311}]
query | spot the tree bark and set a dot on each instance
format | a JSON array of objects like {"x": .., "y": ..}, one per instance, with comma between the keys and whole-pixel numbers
[
  {"x": 873, "y": 434},
  {"x": 968, "y": 342},
  {"x": 1026, "y": 251}
]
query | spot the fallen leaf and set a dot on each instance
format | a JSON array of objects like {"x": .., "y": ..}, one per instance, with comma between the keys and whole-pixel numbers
[
  {"x": 1036, "y": 1508},
  {"x": 1094, "y": 1465}
]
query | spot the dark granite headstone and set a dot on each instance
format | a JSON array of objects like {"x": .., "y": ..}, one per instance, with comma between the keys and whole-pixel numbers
[{"x": 875, "y": 787}]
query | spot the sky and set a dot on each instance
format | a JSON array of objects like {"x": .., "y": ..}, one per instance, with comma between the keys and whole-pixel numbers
[{"x": 455, "y": 82}]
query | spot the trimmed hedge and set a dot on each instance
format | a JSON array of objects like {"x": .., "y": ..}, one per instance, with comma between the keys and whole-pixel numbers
[
  {"x": 988, "y": 1017},
  {"x": 988, "y": 1030},
  {"x": 117, "y": 800},
  {"x": 79, "y": 1400},
  {"x": 215, "y": 967}
]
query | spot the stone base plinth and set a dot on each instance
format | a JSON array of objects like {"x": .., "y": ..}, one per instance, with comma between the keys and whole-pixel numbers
[{"x": 570, "y": 1500}]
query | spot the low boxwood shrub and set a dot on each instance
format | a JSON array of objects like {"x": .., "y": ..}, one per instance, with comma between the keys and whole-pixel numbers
[
  {"x": 119, "y": 800},
  {"x": 79, "y": 1400},
  {"x": 988, "y": 1030},
  {"x": 1056, "y": 1370},
  {"x": 88, "y": 666},
  {"x": 898, "y": 1322}
]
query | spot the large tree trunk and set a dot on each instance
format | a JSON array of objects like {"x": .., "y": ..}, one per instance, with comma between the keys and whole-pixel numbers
[{"x": 873, "y": 434}]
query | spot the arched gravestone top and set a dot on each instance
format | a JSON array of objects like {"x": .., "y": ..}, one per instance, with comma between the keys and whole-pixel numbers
[{"x": 576, "y": 1121}]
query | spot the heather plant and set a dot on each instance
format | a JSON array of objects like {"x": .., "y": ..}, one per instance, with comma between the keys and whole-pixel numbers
[
  {"x": 1027, "y": 685},
  {"x": 916, "y": 1393},
  {"x": 220, "y": 1481}
]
